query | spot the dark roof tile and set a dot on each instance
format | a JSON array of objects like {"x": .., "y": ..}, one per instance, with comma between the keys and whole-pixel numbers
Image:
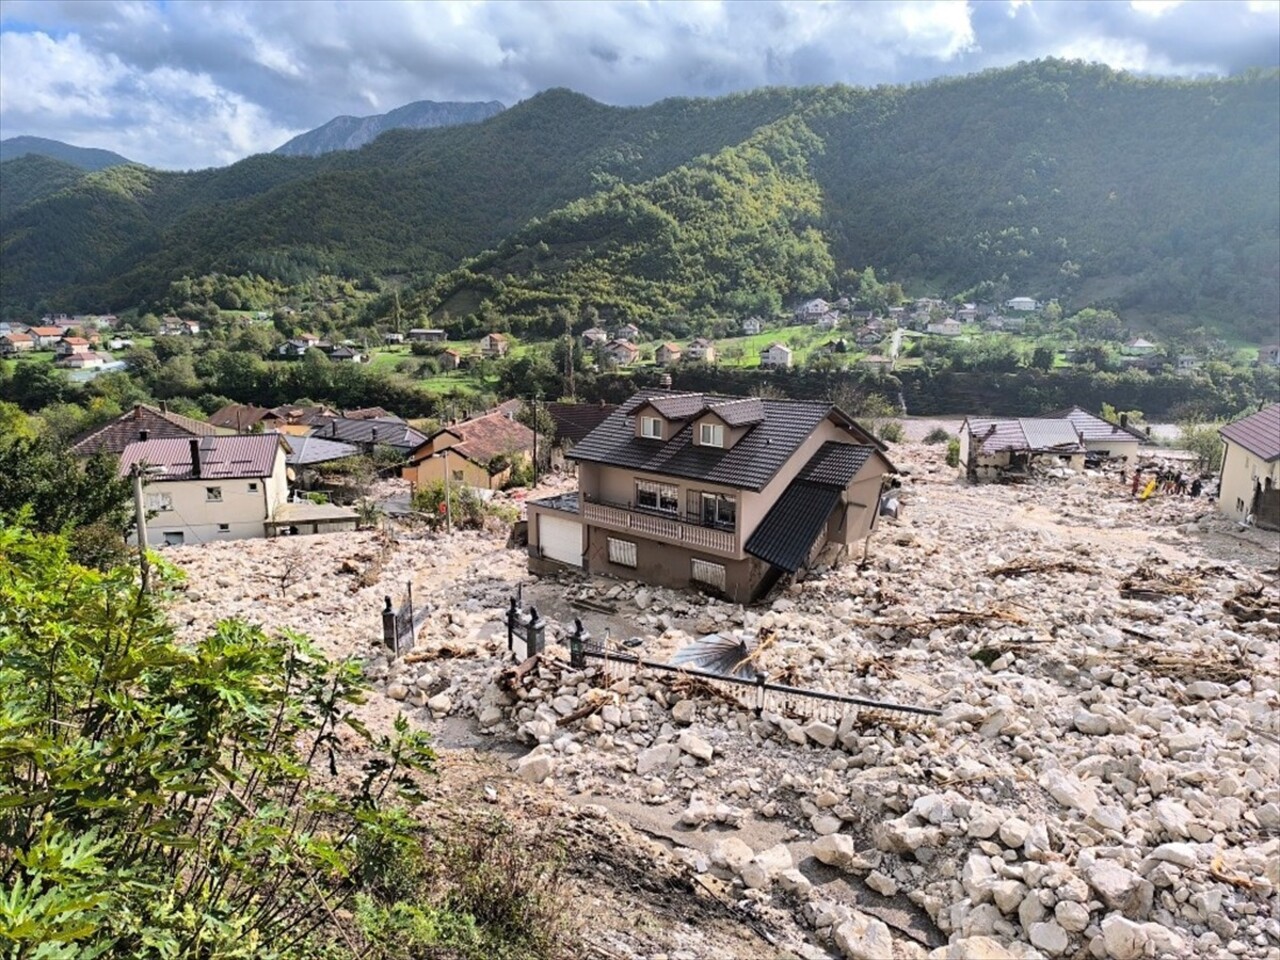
[
  {"x": 245, "y": 456},
  {"x": 114, "y": 436},
  {"x": 788, "y": 531},
  {"x": 1259, "y": 433}
]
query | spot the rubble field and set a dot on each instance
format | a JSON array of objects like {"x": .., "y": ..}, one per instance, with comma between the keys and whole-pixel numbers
[{"x": 1103, "y": 780}]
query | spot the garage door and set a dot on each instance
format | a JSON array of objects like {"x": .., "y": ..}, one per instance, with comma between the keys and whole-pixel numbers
[{"x": 560, "y": 539}]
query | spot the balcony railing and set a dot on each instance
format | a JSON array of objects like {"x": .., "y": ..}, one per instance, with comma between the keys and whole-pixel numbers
[{"x": 672, "y": 527}]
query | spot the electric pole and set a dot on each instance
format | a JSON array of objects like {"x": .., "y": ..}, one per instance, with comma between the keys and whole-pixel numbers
[
  {"x": 448, "y": 498},
  {"x": 140, "y": 517}
]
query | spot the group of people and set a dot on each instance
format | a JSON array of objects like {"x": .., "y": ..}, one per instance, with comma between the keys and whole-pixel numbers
[{"x": 1165, "y": 481}]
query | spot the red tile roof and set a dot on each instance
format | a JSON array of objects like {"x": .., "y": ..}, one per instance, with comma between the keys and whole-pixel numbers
[
  {"x": 238, "y": 416},
  {"x": 482, "y": 439},
  {"x": 245, "y": 456},
  {"x": 114, "y": 436},
  {"x": 1258, "y": 433}
]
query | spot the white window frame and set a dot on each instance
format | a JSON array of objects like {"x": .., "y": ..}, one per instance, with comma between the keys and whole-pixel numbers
[
  {"x": 719, "y": 501},
  {"x": 662, "y": 492},
  {"x": 213, "y": 494},
  {"x": 704, "y": 571},
  {"x": 714, "y": 431},
  {"x": 160, "y": 502},
  {"x": 622, "y": 552},
  {"x": 651, "y": 428}
]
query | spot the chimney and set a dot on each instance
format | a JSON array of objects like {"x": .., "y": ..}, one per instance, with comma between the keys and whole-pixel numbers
[
  {"x": 1124, "y": 419},
  {"x": 195, "y": 457},
  {"x": 164, "y": 406},
  {"x": 143, "y": 434},
  {"x": 1148, "y": 429}
]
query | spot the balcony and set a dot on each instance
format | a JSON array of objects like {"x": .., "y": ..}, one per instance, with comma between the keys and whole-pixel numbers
[{"x": 655, "y": 525}]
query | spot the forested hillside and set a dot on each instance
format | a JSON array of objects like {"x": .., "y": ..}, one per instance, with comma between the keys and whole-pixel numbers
[
  {"x": 352, "y": 133},
  {"x": 86, "y": 158},
  {"x": 1157, "y": 197}
]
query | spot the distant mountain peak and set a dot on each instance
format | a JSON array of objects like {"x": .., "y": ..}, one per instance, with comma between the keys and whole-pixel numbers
[
  {"x": 86, "y": 158},
  {"x": 352, "y": 133}
]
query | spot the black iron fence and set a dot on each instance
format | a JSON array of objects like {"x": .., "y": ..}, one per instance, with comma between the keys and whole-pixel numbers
[{"x": 400, "y": 626}]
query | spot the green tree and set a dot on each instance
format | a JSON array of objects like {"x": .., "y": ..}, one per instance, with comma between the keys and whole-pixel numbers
[
  {"x": 1042, "y": 358},
  {"x": 57, "y": 492}
]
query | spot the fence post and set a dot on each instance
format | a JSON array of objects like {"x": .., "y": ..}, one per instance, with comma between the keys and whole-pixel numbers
[
  {"x": 535, "y": 632},
  {"x": 578, "y": 645},
  {"x": 390, "y": 634},
  {"x": 760, "y": 700},
  {"x": 513, "y": 620}
]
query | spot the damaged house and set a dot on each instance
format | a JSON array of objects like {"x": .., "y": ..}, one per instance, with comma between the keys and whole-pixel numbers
[
  {"x": 720, "y": 493},
  {"x": 994, "y": 448}
]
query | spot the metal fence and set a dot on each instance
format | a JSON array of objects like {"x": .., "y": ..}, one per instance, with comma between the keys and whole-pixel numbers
[{"x": 400, "y": 627}]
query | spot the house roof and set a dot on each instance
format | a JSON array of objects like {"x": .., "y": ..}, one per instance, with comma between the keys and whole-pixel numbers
[
  {"x": 17, "y": 337},
  {"x": 238, "y": 416},
  {"x": 749, "y": 464},
  {"x": 221, "y": 458},
  {"x": 313, "y": 449},
  {"x": 392, "y": 433},
  {"x": 481, "y": 439},
  {"x": 1259, "y": 433},
  {"x": 575, "y": 420},
  {"x": 1139, "y": 342},
  {"x": 793, "y": 523},
  {"x": 75, "y": 341},
  {"x": 501, "y": 338},
  {"x": 117, "y": 434},
  {"x": 671, "y": 347},
  {"x": 370, "y": 413},
  {"x": 46, "y": 331},
  {"x": 1093, "y": 428},
  {"x": 1032, "y": 435},
  {"x": 625, "y": 345}
]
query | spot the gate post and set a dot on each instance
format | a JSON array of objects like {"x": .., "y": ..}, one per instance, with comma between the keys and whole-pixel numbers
[
  {"x": 513, "y": 621},
  {"x": 535, "y": 633},
  {"x": 578, "y": 645},
  {"x": 390, "y": 634}
]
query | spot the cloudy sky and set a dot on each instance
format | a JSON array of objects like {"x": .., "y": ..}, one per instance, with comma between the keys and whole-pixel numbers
[{"x": 183, "y": 83}]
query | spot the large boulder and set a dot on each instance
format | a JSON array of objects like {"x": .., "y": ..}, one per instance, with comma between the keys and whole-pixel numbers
[
  {"x": 1120, "y": 888},
  {"x": 864, "y": 938}
]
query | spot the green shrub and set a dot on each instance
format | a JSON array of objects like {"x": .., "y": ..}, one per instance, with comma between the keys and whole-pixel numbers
[
  {"x": 1204, "y": 442},
  {"x": 890, "y": 431},
  {"x": 937, "y": 435},
  {"x": 467, "y": 509},
  {"x": 175, "y": 800},
  {"x": 953, "y": 452}
]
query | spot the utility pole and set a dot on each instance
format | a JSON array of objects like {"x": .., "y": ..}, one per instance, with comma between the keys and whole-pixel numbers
[
  {"x": 534, "y": 401},
  {"x": 448, "y": 498},
  {"x": 140, "y": 517}
]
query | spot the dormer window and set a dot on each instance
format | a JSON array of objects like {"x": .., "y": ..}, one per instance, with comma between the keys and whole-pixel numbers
[
  {"x": 711, "y": 435},
  {"x": 651, "y": 427}
]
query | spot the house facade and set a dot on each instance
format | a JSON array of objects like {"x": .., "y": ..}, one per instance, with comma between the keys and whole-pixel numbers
[
  {"x": 478, "y": 453},
  {"x": 726, "y": 494},
  {"x": 752, "y": 326},
  {"x": 11, "y": 343},
  {"x": 701, "y": 349},
  {"x": 1102, "y": 439},
  {"x": 776, "y": 356},
  {"x": 45, "y": 337},
  {"x": 1269, "y": 355},
  {"x": 998, "y": 448},
  {"x": 667, "y": 354},
  {"x": 419, "y": 335},
  {"x": 594, "y": 337},
  {"x": 949, "y": 327},
  {"x": 1138, "y": 347},
  {"x": 1022, "y": 304},
  {"x": 201, "y": 489},
  {"x": 1250, "y": 483},
  {"x": 621, "y": 352},
  {"x": 494, "y": 345}
]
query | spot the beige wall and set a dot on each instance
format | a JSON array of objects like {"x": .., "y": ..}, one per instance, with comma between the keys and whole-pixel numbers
[
  {"x": 1115, "y": 448},
  {"x": 244, "y": 510},
  {"x": 431, "y": 470},
  {"x": 1240, "y": 471}
]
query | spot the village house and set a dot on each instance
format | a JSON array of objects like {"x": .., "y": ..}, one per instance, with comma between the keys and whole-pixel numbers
[
  {"x": 967, "y": 313},
  {"x": 776, "y": 356},
  {"x": 1022, "y": 304},
  {"x": 1250, "y": 483},
  {"x": 573, "y": 422},
  {"x": 369, "y": 434},
  {"x": 876, "y": 363},
  {"x": 69, "y": 345},
  {"x": 119, "y": 343},
  {"x": 494, "y": 345},
  {"x": 345, "y": 355},
  {"x": 827, "y": 322},
  {"x": 142, "y": 422},
  {"x": 752, "y": 325},
  {"x": 628, "y": 331},
  {"x": 478, "y": 453},
  {"x": 449, "y": 359},
  {"x": 1102, "y": 439},
  {"x": 1269, "y": 355},
  {"x": 419, "y": 335},
  {"x": 950, "y": 327},
  {"x": 1138, "y": 347},
  {"x": 46, "y": 337},
  {"x": 667, "y": 354},
  {"x": 1188, "y": 363},
  {"x": 701, "y": 349},
  {"x": 594, "y": 337},
  {"x": 201, "y": 489},
  {"x": 81, "y": 361},
  {"x": 305, "y": 454},
  {"x": 238, "y": 417},
  {"x": 727, "y": 494},
  {"x": 391, "y": 339},
  {"x": 812, "y": 310},
  {"x": 622, "y": 352},
  {"x": 997, "y": 448},
  {"x": 296, "y": 347},
  {"x": 11, "y": 343}
]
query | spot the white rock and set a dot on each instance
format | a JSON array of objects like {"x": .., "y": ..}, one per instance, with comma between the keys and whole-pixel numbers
[
  {"x": 1120, "y": 888},
  {"x": 985, "y": 823},
  {"x": 661, "y": 757},
  {"x": 1124, "y": 939},
  {"x": 1174, "y": 817},
  {"x": 1049, "y": 937},
  {"x": 825, "y": 824},
  {"x": 793, "y": 881},
  {"x": 490, "y": 716},
  {"x": 535, "y": 768},
  {"x": 685, "y": 711},
  {"x": 1090, "y": 723},
  {"x": 440, "y": 704},
  {"x": 397, "y": 691},
  {"x": 884, "y": 885},
  {"x": 821, "y": 733},
  {"x": 1071, "y": 916},
  {"x": 731, "y": 853},
  {"x": 1013, "y": 832},
  {"x": 864, "y": 938},
  {"x": 1008, "y": 894},
  {"x": 1070, "y": 791},
  {"x": 973, "y": 948},
  {"x": 1180, "y": 854},
  {"x": 766, "y": 865},
  {"x": 836, "y": 850},
  {"x": 695, "y": 746}
]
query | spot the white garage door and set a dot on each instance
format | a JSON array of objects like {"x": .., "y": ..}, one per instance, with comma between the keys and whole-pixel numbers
[{"x": 560, "y": 539}]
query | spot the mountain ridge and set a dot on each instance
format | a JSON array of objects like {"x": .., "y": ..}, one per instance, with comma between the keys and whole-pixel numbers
[
  {"x": 86, "y": 158},
  {"x": 352, "y": 133}
]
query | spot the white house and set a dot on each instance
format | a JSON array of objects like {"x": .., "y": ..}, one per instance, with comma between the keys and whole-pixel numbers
[
  {"x": 594, "y": 337},
  {"x": 1138, "y": 348},
  {"x": 776, "y": 356},
  {"x": 1022, "y": 304},
  {"x": 752, "y": 325},
  {"x": 1250, "y": 485},
  {"x": 812, "y": 310},
  {"x": 200, "y": 489},
  {"x": 701, "y": 349},
  {"x": 949, "y": 327}
]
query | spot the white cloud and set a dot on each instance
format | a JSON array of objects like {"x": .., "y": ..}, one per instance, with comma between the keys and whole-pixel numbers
[{"x": 193, "y": 83}]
